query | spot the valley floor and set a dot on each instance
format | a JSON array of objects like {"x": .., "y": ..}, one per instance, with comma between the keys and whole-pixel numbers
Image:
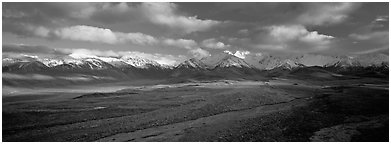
[{"x": 223, "y": 110}]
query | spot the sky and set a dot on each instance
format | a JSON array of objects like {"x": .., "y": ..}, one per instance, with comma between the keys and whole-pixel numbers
[{"x": 172, "y": 32}]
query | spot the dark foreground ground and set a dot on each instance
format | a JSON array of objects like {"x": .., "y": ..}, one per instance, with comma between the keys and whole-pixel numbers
[{"x": 278, "y": 110}]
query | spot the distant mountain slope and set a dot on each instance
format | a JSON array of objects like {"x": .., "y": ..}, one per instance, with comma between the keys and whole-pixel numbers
[
  {"x": 224, "y": 60},
  {"x": 220, "y": 66},
  {"x": 92, "y": 68}
]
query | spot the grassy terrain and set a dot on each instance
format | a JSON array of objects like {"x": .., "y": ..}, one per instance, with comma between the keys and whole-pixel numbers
[
  {"x": 287, "y": 110},
  {"x": 300, "y": 123}
]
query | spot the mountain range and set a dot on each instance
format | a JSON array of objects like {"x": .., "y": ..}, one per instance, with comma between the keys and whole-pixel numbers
[{"x": 222, "y": 65}]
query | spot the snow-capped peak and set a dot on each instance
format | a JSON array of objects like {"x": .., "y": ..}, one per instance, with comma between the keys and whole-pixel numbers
[
  {"x": 192, "y": 63},
  {"x": 130, "y": 60},
  {"x": 109, "y": 59},
  {"x": 226, "y": 59},
  {"x": 30, "y": 56},
  {"x": 288, "y": 64},
  {"x": 139, "y": 62},
  {"x": 94, "y": 63},
  {"x": 81, "y": 55},
  {"x": 235, "y": 62},
  {"x": 239, "y": 54},
  {"x": 228, "y": 52},
  {"x": 52, "y": 62}
]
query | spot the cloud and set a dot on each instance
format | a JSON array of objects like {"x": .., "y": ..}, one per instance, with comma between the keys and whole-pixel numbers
[
  {"x": 47, "y": 78},
  {"x": 296, "y": 34},
  {"x": 55, "y": 15},
  {"x": 316, "y": 38},
  {"x": 25, "y": 29},
  {"x": 283, "y": 38},
  {"x": 110, "y": 13},
  {"x": 21, "y": 48},
  {"x": 27, "y": 77},
  {"x": 239, "y": 54},
  {"x": 82, "y": 10},
  {"x": 165, "y": 14},
  {"x": 34, "y": 19},
  {"x": 377, "y": 35},
  {"x": 376, "y": 50},
  {"x": 378, "y": 24},
  {"x": 371, "y": 41},
  {"x": 274, "y": 47},
  {"x": 182, "y": 43},
  {"x": 87, "y": 33},
  {"x": 326, "y": 13},
  {"x": 23, "y": 51},
  {"x": 86, "y": 53},
  {"x": 297, "y": 26},
  {"x": 157, "y": 13},
  {"x": 381, "y": 18},
  {"x": 38, "y": 13},
  {"x": 102, "y": 35},
  {"x": 199, "y": 53},
  {"x": 38, "y": 31},
  {"x": 75, "y": 78},
  {"x": 213, "y": 44},
  {"x": 243, "y": 32}
]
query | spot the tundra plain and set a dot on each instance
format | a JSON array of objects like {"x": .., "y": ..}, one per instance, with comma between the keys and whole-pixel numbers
[{"x": 277, "y": 109}]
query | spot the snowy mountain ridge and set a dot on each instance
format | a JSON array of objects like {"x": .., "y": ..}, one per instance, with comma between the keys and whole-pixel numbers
[
  {"x": 239, "y": 59},
  {"x": 267, "y": 62}
]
